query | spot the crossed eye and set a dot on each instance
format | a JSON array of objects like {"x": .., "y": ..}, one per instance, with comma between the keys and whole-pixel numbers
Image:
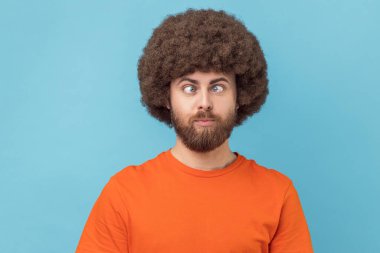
[
  {"x": 217, "y": 88},
  {"x": 192, "y": 88}
]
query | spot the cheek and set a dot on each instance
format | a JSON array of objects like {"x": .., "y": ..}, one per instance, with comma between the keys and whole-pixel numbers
[
  {"x": 225, "y": 106},
  {"x": 181, "y": 104},
  {"x": 180, "y": 109}
]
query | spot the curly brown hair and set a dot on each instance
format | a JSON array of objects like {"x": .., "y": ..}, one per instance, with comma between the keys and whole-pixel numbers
[{"x": 202, "y": 40}]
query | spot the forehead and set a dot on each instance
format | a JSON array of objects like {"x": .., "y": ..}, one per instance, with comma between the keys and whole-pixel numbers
[{"x": 207, "y": 76}]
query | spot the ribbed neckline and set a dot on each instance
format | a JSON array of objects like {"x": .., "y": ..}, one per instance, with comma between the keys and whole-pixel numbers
[{"x": 176, "y": 164}]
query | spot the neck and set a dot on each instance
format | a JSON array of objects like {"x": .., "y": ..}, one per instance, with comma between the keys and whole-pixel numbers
[{"x": 218, "y": 158}]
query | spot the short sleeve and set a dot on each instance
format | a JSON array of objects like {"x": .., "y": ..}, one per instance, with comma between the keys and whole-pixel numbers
[
  {"x": 106, "y": 227},
  {"x": 292, "y": 234}
]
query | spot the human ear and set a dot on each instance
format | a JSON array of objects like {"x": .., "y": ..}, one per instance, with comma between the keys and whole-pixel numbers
[{"x": 167, "y": 105}]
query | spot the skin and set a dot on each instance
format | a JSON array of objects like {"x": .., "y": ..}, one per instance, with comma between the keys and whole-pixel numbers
[{"x": 213, "y": 91}]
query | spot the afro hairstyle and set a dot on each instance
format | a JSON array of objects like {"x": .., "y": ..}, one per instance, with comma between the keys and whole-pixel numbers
[{"x": 202, "y": 40}]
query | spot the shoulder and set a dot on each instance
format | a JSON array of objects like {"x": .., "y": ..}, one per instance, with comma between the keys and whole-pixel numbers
[
  {"x": 273, "y": 174},
  {"x": 269, "y": 177},
  {"x": 135, "y": 174}
]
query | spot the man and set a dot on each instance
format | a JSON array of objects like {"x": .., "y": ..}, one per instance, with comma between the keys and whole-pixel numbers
[{"x": 203, "y": 73}]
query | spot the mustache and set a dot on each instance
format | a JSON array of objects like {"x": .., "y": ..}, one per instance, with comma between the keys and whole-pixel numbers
[{"x": 204, "y": 115}]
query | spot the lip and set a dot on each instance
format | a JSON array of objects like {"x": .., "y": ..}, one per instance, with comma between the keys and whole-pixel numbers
[{"x": 204, "y": 122}]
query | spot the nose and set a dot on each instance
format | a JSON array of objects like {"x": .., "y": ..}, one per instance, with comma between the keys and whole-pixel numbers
[{"x": 205, "y": 102}]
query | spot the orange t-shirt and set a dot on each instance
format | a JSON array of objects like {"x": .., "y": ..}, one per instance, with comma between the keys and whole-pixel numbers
[{"x": 165, "y": 206}]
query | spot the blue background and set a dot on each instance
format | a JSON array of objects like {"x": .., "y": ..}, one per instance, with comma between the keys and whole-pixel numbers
[{"x": 71, "y": 115}]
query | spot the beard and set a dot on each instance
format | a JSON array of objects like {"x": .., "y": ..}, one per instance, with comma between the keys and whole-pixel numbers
[{"x": 206, "y": 138}]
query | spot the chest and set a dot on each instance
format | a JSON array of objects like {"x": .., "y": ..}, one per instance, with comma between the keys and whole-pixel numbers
[{"x": 202, "y": 219}]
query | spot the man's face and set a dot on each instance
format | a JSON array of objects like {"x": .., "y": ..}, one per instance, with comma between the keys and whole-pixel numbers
[{"x": 203, "y": 109}]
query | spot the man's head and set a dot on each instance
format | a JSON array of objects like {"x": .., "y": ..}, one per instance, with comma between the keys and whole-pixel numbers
[
  {"x": 202, "y": 41},
  {"x": 203, "y": 109}
]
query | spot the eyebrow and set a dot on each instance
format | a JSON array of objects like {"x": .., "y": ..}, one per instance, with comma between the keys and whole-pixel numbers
[{"x": 196, "y": 82}]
